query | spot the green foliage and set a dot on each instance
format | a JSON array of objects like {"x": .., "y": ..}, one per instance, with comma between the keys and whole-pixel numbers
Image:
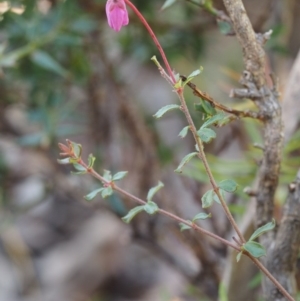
[
  {"x": 184, "y": 131},
  {"x": 193, "y": 75},
  {"x": 263, "y": 229},
  {"x": 184, "y": 227},
  {"x": 132, "y": 213},
  {"x": 206, "y": 135},
  {"x": 151, "y": 207},
  {"x": 205, "y": 108},
  {"x": 165, "y": 109},
  {"x": 119, "y": 175},
  {"x": 255, "y": 248},
  {"x": 154, "y": 190},
  {"x": 107, "y": 175},
  {"x": 201, "y": 216},
  {"x": 228, "y": 185},
  {"x": 184, "y": 161},
  {"x": 93, "y": 194}
]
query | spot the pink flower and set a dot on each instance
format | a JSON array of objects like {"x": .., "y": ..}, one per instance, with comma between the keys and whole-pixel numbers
[{"x": 117, "y": 15}]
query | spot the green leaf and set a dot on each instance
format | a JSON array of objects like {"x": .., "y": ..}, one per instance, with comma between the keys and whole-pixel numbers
[
  {"x": 107, "y": 175},
  {"x": 168, "y": 3},
  {"x": 228, "y": 185},
  {"x": 91, "y": 161},
  {"x": 201, "y": 215},
  {"x": 213, "y": 120},
  {"x": 64, "y": 161},
  {"x": 254, "y": 248},
  {"x": 184, "y": 131},
  {"x": 267, "y": 227},
  {"x": 79, "y": 167},
  {"x": 93, "y": 194},
  {"x": 44, "y": 60},
  {"x": 195, "y": 73},
  {"x": 119, "y": 175},
  {"x": 206, "y": 135},
  {"x": 184, "y": 227},
  {"x": 178, "y": 83},
  {"x": 153, "y": 190},
  {"x": 207, "y": 199},
  {"x": 151, "y": 207},
  {"x": 184, "y": 161},
  {"x": 216, "y": 198},
  {"x": 225, "y": 120},
  {"x": 165, "y": 109},
  {"x": 206, "y": 108},
  {"x": 107, "y": 192},
  {"x": 238, "y": 256},
  {"x": 77, "y": 149},
  {"x": 132, "y": 213}
]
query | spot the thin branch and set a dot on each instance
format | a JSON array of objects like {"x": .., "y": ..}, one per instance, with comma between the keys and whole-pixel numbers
[
  {"x": 202, "y": 157},
  {"x": 287, "y": 244},
  {"x": 197, "y": 92},
  {"x": 96, "y": 175}
]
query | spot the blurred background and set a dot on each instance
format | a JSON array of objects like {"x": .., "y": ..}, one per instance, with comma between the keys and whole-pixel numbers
[{"x": 66, "y": 74}]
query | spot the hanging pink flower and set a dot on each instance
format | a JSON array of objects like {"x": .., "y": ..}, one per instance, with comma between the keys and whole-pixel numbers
[{"x": 117, "y": 15}]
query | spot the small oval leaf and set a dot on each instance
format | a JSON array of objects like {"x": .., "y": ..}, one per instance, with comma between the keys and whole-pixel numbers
[
  {"x": 201, "y": 215},
  {"x": 254, "y": 248},
  {"x": 151, "y": 207},
  {"x": 91, "y": 161},
  {"x": 228, "y": 185},
  {"x": 132, "y": 213},
  {"x": 184, "y": 161},
  {"x": 267, "y": 227},
  {"x": 165, "y": 109},
  {"x": 79, "y": 167},
  {"x": 184, "y": 227},
  {"x": 195, "y": 73},
  {"x": 153, "y": 190},
  {"x": 93, "y": 194},
  {"x": 206, "y": 135},
  {"x": 238, "y": 256},
  {"x": 64, "y": 161},
  {"x": 213, "y": 120},
  {"x": 106, "y": 192},
  {"x": 107, "y": 175},
  {"x": 207, "y": 199},
  {"x": 184, "y": 131},
  {"x": 119, "y": 175},
  {"x": 76, "y": 148}
]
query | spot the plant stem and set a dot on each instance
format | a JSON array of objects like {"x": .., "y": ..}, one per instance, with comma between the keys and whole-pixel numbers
[
  {"x": 96, "y": 175},
  {"x": 154, "y": 38},
  {"x": 271, "y": 277},
  {"x": 201, "y": 155}
]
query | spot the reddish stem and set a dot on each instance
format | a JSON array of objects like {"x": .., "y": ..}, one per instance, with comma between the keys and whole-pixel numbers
[{"x": 154, "y": 38}]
